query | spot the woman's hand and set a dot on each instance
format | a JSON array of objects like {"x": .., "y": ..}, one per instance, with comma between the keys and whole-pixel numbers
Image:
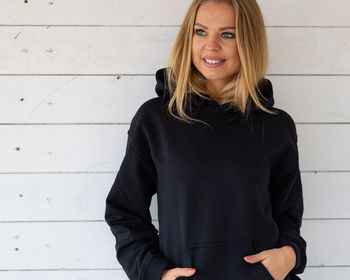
[
  {"x": 278, "y": 261},
  {"x": 171, "y": 274}
]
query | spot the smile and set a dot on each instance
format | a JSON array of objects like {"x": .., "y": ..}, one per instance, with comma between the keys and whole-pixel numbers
[{"x": 213, "y": 63}]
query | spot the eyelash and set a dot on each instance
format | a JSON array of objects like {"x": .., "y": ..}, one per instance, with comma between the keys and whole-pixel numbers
[{"x": 233, "y": 35}]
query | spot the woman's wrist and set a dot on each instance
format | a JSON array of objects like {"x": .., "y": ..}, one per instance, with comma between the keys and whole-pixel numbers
[{"x": 290, "y": 254}]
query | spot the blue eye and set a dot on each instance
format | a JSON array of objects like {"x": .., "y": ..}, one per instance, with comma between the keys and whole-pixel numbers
[
  {"x": 231, "y": 35},
  {"x": 198, "y": 30},
  {"x": 227, "y": 37}
]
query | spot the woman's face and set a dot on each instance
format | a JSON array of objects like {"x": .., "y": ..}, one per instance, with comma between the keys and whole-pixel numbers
[{"x": 214, "y": 40}]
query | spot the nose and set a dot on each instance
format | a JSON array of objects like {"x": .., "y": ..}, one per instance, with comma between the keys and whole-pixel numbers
[{"x": 212, "y": 43}]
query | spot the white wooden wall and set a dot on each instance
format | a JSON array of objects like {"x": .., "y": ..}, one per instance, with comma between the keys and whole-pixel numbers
[{"x": 73, "y": 73}]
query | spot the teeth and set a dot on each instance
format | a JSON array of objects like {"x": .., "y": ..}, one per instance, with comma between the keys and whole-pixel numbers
[{"x": 213, "y": 61}]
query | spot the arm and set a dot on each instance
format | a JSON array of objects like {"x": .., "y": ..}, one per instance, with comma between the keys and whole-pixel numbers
[
  {"x": 127, "y": 211},
  {"x": 287, "y": 197}
]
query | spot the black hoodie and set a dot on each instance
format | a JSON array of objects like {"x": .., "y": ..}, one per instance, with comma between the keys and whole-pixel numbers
[{"x": 223, "y": 192}]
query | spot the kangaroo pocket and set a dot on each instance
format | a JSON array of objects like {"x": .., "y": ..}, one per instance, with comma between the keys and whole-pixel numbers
[{"x": 224, "y": 261}]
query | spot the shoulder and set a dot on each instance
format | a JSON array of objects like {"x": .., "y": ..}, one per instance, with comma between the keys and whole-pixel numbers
[
  {"x": 148, "y": 110},
  {"x": 150, "y": 106},
  {"x": 280, "y": 125},
  {"x": 287, "y": 123}
]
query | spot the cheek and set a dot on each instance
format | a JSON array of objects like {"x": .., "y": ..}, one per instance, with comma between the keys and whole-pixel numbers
[
  {"x": 233, "y": 51},
  {"x": 195, "y": 53}
]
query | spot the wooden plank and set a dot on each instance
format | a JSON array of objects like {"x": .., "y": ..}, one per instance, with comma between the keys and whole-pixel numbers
[
  {"x": 115, "y": 274},
  {"x": 84, "y": 50},
  {"x": 77, "y": 99},
  {"x": 116, "y": 50},
  {"x": 107, "y": 99},
  {"x": 310, "y": 273},
  {"x": 82, "y": 245},
  {"x": 155, "y": 12},
  {"x": 305, "y": 13},
  {"x": 57, "y": 245},
  {"x": 100, "y": 148},
  {"x": 68, "y": 148},
  {"x": 79, "y": 197},
  {"x": 54, "y": 197},
  {"x": 326, "y": 195},
  {"x": 322, "y": 147}
]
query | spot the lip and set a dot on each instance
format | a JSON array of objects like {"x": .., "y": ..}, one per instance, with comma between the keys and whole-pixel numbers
[{"x": 213, "y": 57}]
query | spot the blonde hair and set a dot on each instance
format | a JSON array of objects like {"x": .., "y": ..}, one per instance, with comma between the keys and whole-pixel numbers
[{"x": 183, "y": 77}]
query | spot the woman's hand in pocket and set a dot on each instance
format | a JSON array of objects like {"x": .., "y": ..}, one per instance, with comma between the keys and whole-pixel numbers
[
  {"x": 171, "y": 274},
  {"x": 278, "y": 261}
]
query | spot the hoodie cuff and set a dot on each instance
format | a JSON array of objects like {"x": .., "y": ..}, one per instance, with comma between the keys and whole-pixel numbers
[
  {"x": 298, "y": 254},
  {"x": 156, "y": 266}
]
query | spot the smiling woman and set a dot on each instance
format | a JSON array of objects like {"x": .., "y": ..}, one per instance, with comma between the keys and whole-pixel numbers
[{"x": 229, "y": 192}]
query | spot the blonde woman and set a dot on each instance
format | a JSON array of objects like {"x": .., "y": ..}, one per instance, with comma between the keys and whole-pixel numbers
[{"x": 221, "y": 158}]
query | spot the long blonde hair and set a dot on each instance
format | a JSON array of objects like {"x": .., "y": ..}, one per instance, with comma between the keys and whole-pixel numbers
[{"x": 183, "y": 77}]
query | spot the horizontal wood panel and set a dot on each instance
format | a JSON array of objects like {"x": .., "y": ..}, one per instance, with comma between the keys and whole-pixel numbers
[
  {"x": 57, "y": 245},
  {"x": 116, "y": 50},
  {"x": 100, "y": 148},
  {"x": 57, "y": 197},
  {"x": 115, "y": 274},
  {"x": 313, "y": 98},
  {"x": 324, "y": 147},
  {"x": 310, "y": 273},
  {"x": 77, "y": 197},
  {"x": 140, "y": 12},
  {"x": 60, "y": 245},
  {"x": 77, "y": 99},
  {"x": 115, "y": 99},
  {"x": 73, "y": 148}
]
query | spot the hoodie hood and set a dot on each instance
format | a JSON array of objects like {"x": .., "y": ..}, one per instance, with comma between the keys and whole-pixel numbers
[{"x": 210, "y": 104}]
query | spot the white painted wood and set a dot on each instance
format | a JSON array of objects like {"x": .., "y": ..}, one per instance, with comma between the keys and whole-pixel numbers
[
  {"x": 81, "y": 245},
  {"x": 116, "y": 50},
  {"x": 310, "y": 273},
  {"x": 113, "y": 274},
  {"x": 160, "y": 12},
  {"x": 97, "y": 148},
  {"x": 79, "y": 197},
  {"x": 84, "y": 50},
  {"x": 326, "y": 195},
  {"x": 67, "y": 148},
  {"x": 324, "y": 147},
  {"x": 313, "y": 98},
  {"x": 94, "y": 12},
  {"x": 57, "y": 245},
  {"x": 73, "y": 99},
  {"x": 54, "y": 197},
  {"x": 107, "y": 99},
  {"x": 306, "y": 51},
  {"x": 305, "y": 13},
  {"x": 327, "y": 242}
]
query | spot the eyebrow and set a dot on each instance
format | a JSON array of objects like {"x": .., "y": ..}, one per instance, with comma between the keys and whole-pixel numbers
[{"x": 222, "y": 28}]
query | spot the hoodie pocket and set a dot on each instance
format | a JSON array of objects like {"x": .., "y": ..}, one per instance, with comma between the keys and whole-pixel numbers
[{"x": 224, "y": 261}]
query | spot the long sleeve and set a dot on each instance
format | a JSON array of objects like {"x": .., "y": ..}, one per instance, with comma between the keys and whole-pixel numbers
[
  {"x": 127, "y": 210},
  {"x": 287, "y": 197}
]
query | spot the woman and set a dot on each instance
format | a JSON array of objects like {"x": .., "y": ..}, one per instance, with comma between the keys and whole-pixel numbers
[{"x": 222, "y": 160}]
